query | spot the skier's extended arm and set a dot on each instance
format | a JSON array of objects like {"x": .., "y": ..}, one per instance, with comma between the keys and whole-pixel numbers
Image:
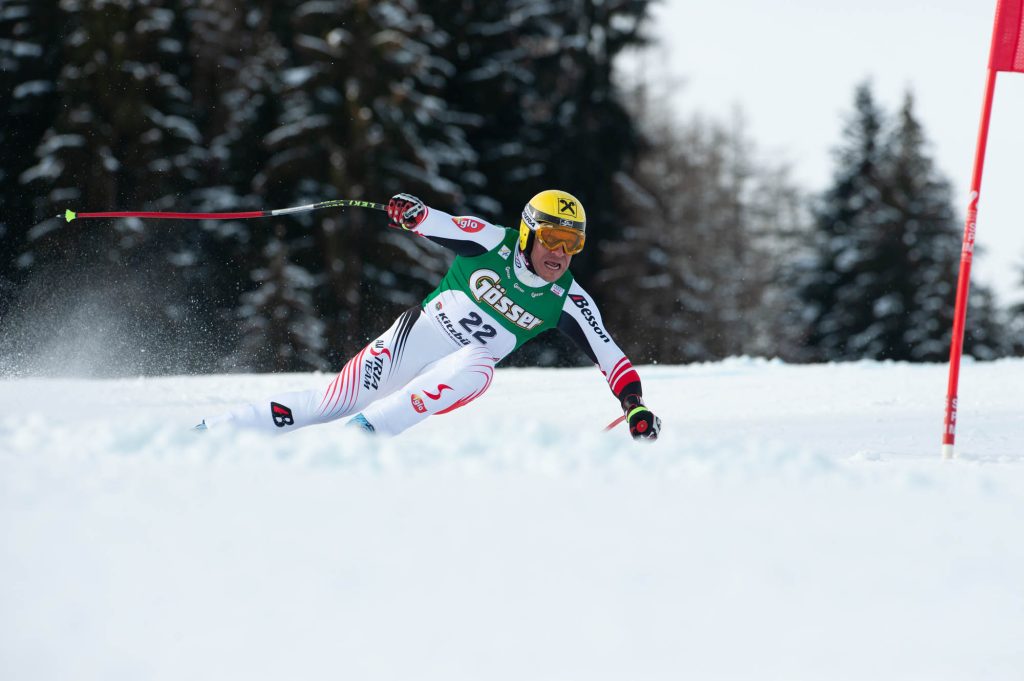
[
  {"x": 467, "y": 236},
  {"x": 581, "y": 321}
]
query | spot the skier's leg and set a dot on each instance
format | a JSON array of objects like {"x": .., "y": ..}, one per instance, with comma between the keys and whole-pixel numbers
[
  {"x": 383, "y": 366},
  {"x": 449, "y": 383}
]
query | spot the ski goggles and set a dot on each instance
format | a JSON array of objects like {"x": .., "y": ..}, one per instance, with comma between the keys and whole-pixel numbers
[{"x": 553, "y": 237}]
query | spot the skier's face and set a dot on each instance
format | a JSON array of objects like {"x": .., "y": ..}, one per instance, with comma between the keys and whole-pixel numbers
[{"x": 550, "y": 265}]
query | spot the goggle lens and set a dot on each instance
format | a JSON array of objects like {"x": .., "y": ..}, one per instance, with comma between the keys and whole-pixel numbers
[{"x": 553, "y": 237}]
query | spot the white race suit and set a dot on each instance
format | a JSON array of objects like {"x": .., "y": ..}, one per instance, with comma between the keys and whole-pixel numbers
[{"x": 440, "y": 355}]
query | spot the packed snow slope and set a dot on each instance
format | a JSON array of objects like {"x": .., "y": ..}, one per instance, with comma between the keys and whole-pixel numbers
[{"x": 793, "y": 522}]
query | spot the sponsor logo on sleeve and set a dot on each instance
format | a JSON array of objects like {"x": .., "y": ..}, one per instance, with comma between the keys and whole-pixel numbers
[
  {"x": 373, "y": 367},
  {"x": 468, "y": 225},
  {"x": 282, "y": 415},
  {"x": 417, "y": 404},
  {"x": 379, "y": 349},
  {"x": 588, "y": 314},
  {"x": 440, "y": 391},
  {"x": 485, "y": 286}
]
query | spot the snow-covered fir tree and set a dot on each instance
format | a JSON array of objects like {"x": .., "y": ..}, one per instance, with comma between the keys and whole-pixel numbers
[
  {"x": 280, "y": 326},
  {"x": 1015, "y": 320},
  {"x": 708, "y": 231},
  {"x": 542, "y": 72},
  {"x": 358, "y": 116},
  {"x": 123, "y": 137},
  {"x": 835, "y": 281},
  {"x": 235, "y": 86},
  {"x": 882, "y": 280},
  {"x": 536, "y": 80},
  {"x": 921, "y": 255},
  {"x": 29, "y": 67}
]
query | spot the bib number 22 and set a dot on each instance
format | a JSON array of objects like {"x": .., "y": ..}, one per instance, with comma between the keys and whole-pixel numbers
[{"x": 472, "y": 321}]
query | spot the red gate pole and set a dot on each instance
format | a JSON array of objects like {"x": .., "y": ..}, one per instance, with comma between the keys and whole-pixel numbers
[
  {"x": 956, "y": 346},
  {"x": 1007, "y": 54}
]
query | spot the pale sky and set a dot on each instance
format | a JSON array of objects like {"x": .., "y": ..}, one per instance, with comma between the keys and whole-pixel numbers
[{"x": 792, "y": 66}]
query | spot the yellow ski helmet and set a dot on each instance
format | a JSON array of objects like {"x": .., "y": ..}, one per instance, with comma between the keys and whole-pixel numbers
[{"x": 555, "y": 208}]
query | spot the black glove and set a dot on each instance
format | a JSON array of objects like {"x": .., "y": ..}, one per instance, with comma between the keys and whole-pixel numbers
[
  {"x": 643, "y": 424},
  {"x": 405, "y": 211}
]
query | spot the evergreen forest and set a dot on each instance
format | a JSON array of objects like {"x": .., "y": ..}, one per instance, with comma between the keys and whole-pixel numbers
[{"x": 696, "y": 248}]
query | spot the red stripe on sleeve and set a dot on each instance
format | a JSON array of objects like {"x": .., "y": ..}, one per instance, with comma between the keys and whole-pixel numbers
[
  {"x": 621, "y": 366},
  {"x": 624, "y": 379}
]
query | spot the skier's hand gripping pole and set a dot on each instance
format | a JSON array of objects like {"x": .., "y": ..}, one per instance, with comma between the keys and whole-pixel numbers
[
  {"x": 405, "y": 211},
  {"x": 643, "y": 424}
]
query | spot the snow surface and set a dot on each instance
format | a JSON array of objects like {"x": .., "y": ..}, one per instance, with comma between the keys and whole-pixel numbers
[{"x": 794, "y": 522}]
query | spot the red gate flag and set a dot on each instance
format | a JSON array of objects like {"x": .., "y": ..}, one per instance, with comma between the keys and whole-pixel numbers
[
  {"x": 1007, "y": 54},
  {"x": 1008, "y": 37}
]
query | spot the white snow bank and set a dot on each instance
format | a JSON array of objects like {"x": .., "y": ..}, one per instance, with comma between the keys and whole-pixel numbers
[{"x": 794, "y": 522}]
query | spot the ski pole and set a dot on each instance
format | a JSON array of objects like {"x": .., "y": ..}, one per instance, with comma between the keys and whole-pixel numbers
[
  {"x": 614, "y": 423},
  {"x": 70, "y": 215}
]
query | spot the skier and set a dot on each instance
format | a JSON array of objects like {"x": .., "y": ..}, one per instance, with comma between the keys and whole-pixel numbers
[{"x": 504, "y": 287}]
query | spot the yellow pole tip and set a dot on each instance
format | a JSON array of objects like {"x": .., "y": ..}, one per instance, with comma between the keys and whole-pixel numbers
[{"x": 69, "y": 215}]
